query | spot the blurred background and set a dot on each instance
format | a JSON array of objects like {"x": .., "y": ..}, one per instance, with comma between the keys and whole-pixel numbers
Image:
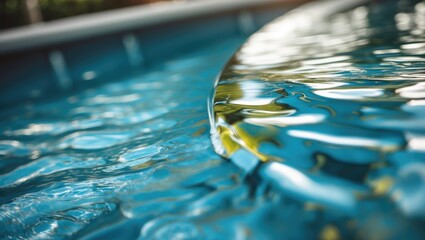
[{"x": 15, "y": 13}]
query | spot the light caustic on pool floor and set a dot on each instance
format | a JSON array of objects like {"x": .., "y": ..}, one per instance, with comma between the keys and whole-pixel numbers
[{"x": 339, "y": 102}]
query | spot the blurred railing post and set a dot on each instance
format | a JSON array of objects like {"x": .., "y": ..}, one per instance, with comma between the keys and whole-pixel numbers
[{"x": 33, "y": 11}]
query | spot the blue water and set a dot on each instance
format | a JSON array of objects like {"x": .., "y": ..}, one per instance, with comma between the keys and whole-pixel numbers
[
  {"x": 133, "y": 159},
  {"x": 130, "y": 159},
  {"x": 331, "y": 112}
]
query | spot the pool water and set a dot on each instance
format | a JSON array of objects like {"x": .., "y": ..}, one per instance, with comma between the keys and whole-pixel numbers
[
  {"x": 337, "y": 106},
  {"x": 133, "y": 159},
  {"x": 128, "y": 160}
]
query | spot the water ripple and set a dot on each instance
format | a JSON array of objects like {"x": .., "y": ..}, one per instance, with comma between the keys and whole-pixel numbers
[
  {"x": 330, "y": 110},
  {"x": 95, "y": 140},
  {"x": 114, "y": 156}
]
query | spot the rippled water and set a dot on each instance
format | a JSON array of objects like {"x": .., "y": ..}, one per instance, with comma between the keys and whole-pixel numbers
[
  {"x": 337, "y": 105},
  {"x": 339, "y": 101},
  {"x": 127, "y": 160}
]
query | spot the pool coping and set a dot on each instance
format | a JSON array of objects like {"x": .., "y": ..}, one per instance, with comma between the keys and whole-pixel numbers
[{"x": 97, "y": 24}]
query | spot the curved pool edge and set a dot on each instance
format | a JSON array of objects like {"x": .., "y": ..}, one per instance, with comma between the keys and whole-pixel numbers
[
  {"x": 83, "y": 51},
  {"x": 306, "y": 13}
]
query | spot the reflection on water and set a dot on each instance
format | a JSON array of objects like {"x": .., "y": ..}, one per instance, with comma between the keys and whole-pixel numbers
[
  {"x": 334, "y": 109},
  {"x": 126, "y": 160}
]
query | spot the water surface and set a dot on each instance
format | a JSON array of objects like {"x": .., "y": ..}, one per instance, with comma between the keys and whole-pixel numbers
[
  {"x": 337, "y": 105},
  {"x": 125, "y": 160},
  {"x": 338, "y": 102}
]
